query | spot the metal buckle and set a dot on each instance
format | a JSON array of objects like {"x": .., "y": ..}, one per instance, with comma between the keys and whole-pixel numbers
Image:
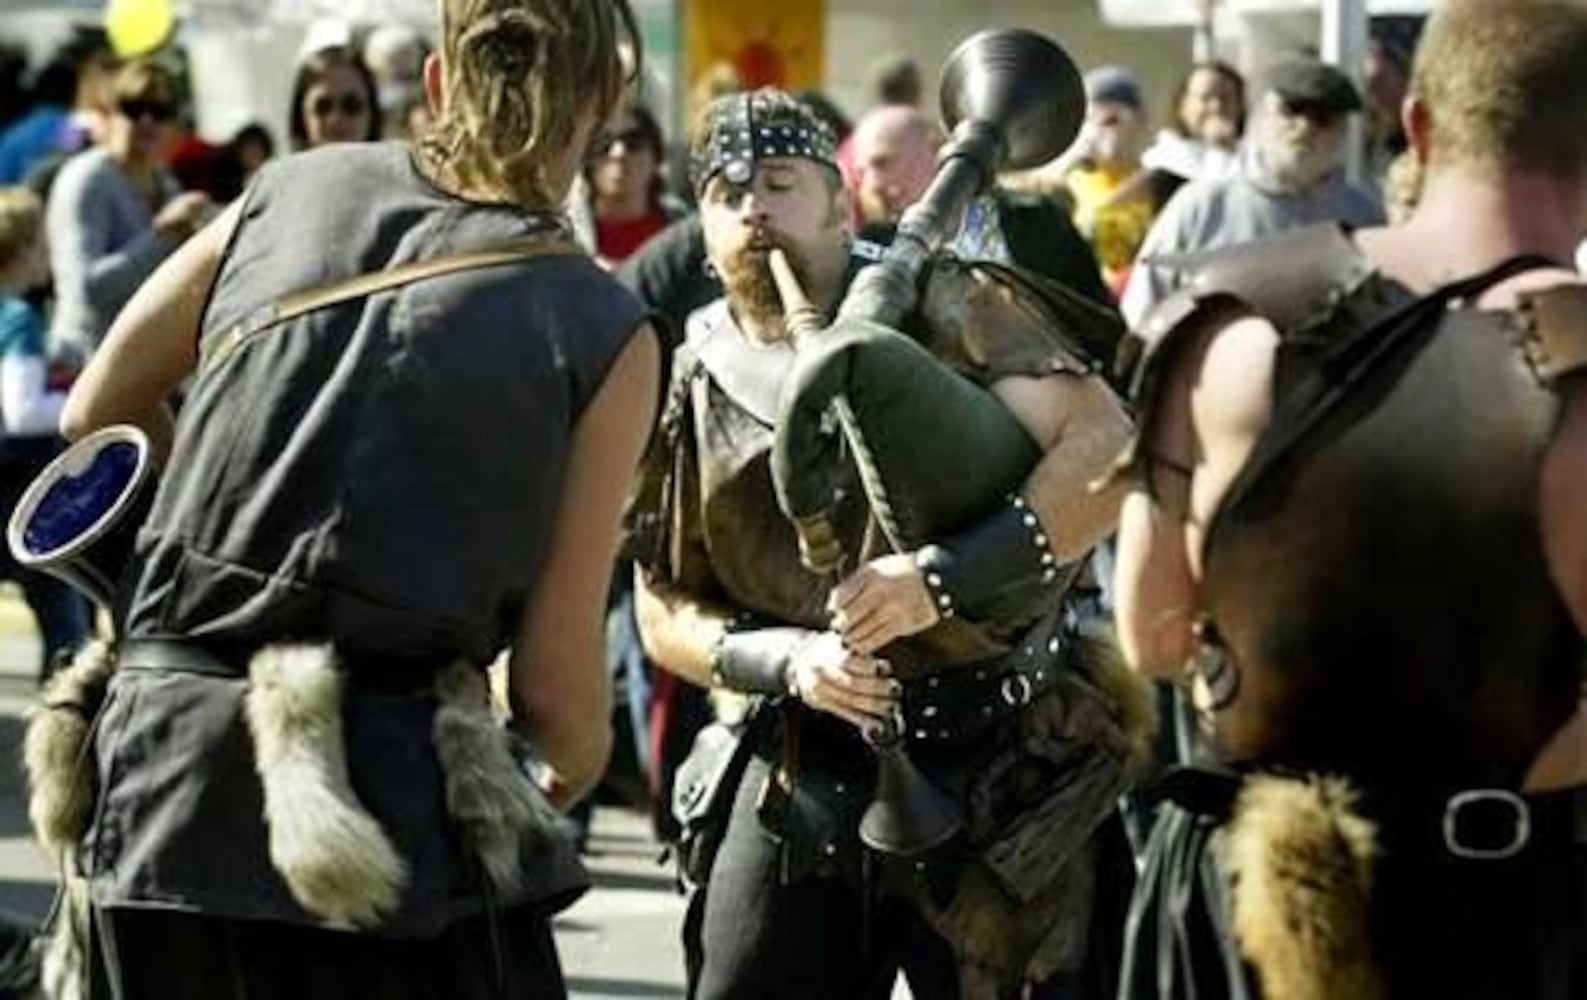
[
  {"x": 1521, "y": 826},
  {"x": 1016, "y": 690}
]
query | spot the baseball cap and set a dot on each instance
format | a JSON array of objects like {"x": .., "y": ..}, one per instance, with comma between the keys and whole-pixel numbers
[{"x": 1311, "y": 86}]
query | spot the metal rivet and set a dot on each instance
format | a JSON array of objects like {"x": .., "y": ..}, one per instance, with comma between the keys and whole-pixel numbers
[
  {"x": 1052, "y": 645},
  {"x": 829, "y": 849},
  {"x": 930, "y": 711}
]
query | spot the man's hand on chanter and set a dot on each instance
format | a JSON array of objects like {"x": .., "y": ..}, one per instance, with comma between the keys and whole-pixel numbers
[
  {"x": 831, "y": 678},
  {"x": 884, "y": 600}
]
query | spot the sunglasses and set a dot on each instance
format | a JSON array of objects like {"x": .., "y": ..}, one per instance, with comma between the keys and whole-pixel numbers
[
  {"x": 1314, "y": 111},
  {"x": 350, "y": 105},
  {"x": 136, "y": 108},
  {"x": 632, "y": 139}
]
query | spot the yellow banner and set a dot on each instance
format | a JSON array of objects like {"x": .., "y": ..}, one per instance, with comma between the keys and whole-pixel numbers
[{"x": 757, "y": 44}]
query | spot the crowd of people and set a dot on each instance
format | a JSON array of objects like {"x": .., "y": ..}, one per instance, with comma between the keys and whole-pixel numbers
[{"x": 1304, "y": 447}]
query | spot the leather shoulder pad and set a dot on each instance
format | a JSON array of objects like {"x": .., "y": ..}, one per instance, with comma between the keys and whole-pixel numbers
[
  {"x": 988, "y": 320},
  {"x": 1292, "y": 278},
  {"x": 1295, "y": 280},
  {"x": 1554, "y": 330}
]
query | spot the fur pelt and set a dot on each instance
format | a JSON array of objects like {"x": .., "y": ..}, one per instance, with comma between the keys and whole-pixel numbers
[
  {"x": 489, "y": 795},
  {"x": 1021, "y": 910},
  {"x": 65, "y": 967},
  {"x": 61, "y": 779},
  {"x": 1097, "y": 651},
  {"x": 333, "y": 855},
  {"x": 1300, "y": 862}
]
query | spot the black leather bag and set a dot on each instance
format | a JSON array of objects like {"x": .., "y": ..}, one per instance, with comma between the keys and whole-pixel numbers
[{"x": 702, "y": 795}]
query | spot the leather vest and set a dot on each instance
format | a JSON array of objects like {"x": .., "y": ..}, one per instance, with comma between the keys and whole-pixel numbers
[
  {"x": 1375, "y": 598},
  {"x": 384, "y": 472}
]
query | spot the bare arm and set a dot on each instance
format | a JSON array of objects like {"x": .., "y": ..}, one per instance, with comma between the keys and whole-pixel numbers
[
  {"x": 152, "y": 345},
  {"x": 1080, "y": 427},
  {"x": 1216, "y": 404},
  {"x": 677, "y": 630},
  {"x": 557, "y": 680},
  {"x": 1564, "y": 495},
  {"x": 1563, "y": 763}
]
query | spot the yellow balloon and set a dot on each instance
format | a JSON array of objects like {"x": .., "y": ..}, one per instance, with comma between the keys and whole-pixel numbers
[{"x": 138, "y": 27}]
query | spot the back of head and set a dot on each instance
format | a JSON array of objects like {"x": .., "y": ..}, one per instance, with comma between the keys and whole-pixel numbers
[
  {"x": 895, "y": 79},
  {"x": 519, "y": 76},
  {"x": 896, "y": 125},
  {"x": 1505, "y": 84}
]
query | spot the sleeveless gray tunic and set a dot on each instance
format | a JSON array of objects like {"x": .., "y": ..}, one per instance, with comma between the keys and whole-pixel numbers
[{"x": 381, "y": 475}]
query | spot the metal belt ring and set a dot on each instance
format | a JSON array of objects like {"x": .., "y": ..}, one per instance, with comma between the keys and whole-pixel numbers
[
  {"x": 1016, "y": 690},
  {"x": 1521, "y": 824}
]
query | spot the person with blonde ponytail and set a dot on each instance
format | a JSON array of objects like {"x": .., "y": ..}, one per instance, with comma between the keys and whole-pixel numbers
[{"x": 414, "y": 410}]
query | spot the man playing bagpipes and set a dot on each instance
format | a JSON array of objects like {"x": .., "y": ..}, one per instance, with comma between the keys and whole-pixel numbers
[
  {"x": 960, "y": 641},
  {"x": 1357, "y": 536}
]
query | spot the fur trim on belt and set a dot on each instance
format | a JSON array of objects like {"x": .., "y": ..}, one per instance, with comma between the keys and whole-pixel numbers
[
  {"x": 1300, "y": 860},
  {"x": 497, "y": 808},
  {"x": 61, "y": 779},
  {"x": 333, "y": 855}
]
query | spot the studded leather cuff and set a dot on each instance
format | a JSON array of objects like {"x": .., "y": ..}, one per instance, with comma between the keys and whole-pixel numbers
[
  {"x": 1007, "y": 549},
  {"x": 756, "y": 660}
]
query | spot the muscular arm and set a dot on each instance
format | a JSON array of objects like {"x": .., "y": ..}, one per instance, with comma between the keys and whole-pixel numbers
[
  {"x": 1564, "y": 496},
  {"x": 1563, "y": 763},
  {"x": 557, "y": 679},
  {"x": 1080, "y": 427},
  {"x": 1215, "y": 405},
  {"x": 678, "y": 631},
  {"x": 152, "y": 345}
]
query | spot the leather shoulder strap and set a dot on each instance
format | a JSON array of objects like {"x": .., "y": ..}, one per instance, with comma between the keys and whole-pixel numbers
[
  {"x": 752, "y": 375},
  {"x": 1554, "y": 330},
  {"x": 360, "y": 286}
]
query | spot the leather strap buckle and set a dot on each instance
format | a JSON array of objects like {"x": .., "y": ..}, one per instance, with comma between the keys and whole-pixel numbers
[{"x": 1481, "y": 806}]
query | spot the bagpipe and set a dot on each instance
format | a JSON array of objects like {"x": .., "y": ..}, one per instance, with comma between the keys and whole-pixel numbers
[{"x": 934, "y": 450}]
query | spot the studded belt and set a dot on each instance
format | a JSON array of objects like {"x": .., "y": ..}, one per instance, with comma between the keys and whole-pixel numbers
[{"x": 962, "y": 703}]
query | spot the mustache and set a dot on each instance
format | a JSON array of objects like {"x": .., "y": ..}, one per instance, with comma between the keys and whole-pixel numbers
[{"x": 747, "y": 277}]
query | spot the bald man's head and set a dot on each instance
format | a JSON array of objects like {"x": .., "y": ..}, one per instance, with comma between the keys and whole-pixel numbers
[{"x": 895, "y": 157}]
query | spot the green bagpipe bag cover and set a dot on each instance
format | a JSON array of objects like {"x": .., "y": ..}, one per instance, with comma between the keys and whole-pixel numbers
[{"x": 934, "y": 450}]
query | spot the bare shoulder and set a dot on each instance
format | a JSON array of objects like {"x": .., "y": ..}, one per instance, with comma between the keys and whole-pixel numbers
[{"x": 1233, "y": 383}]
